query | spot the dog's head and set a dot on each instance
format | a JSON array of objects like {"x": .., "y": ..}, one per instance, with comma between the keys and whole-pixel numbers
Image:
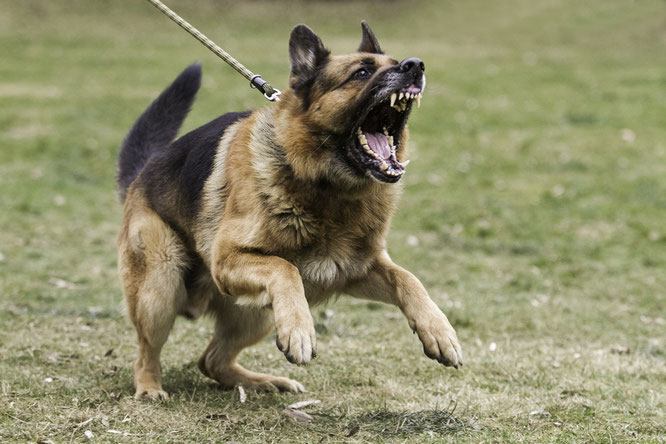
[{"x": 349, "y": 112}]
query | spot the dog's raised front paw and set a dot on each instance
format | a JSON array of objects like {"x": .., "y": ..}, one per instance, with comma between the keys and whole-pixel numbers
[
  {"x": 439, "y": 339},
  {"x": 297, "y": 342}
]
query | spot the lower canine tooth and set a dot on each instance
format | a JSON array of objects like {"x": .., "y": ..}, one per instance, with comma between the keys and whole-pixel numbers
[
  {"x": 393, "y": 97},
  {"x": 401, "y": 96},
  {"x": 384, "y": 165},
  {"x": 418, "y": 101}
]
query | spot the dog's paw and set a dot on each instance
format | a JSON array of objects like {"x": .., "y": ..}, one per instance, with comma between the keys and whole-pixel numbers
[
  {"x": 298, "y": 341},
  {"x": 439, "y": 339},
  {"x": 277, "y": 384},
  {"x": 151, "y": 394}
]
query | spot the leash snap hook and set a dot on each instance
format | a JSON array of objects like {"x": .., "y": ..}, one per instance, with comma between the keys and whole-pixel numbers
[
  {"x": 257, "y": 82},
  {"x": 275, "y": 97}
]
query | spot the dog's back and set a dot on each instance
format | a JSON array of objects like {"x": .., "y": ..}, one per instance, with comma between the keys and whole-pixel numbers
[{"x": 171, "y": 173}]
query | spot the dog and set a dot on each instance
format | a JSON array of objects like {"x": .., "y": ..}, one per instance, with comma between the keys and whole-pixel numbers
[{"x": 256, "y": 216}]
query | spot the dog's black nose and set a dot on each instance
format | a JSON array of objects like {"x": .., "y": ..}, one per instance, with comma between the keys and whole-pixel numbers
[{"x": 412, "y": 64}]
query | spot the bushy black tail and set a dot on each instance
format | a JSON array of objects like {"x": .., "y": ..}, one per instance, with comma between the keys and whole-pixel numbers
[{"x": 157, "y": 126}]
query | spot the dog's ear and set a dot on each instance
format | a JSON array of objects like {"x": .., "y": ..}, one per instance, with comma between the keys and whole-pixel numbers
[
  {"x": 306, "y": 53},
  {"x": 369, "y": 42}
]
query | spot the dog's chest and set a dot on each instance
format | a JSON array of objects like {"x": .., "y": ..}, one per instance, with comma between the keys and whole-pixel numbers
[
  {"x": 325, "y": 266},
  {"x": 332, "y": 244}
]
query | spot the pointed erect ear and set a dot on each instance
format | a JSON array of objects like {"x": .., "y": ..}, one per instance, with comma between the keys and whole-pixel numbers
[
  {"x": 369, "y": 42},
  {"x": 306, "y": 53}
]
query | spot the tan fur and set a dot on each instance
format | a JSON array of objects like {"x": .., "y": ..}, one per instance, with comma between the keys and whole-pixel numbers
[{"x": 282, "y": 225}]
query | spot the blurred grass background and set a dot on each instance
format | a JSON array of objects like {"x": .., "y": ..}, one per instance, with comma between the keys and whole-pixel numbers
[{"x": 533, "y": 212}]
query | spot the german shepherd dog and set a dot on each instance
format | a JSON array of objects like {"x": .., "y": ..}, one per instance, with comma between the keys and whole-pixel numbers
[{"x": 255, "y": 216}]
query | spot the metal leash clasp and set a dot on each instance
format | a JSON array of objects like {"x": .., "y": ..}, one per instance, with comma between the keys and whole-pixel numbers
[
  {"x": 275, "y": 97},
  {"x": 257, "y": 82}
]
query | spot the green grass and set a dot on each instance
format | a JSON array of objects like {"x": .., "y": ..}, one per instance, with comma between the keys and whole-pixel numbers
[{"x": 534, "y": 213}]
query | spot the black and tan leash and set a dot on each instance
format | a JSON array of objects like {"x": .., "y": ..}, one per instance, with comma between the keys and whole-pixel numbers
[{"x": 256, "y": 81}]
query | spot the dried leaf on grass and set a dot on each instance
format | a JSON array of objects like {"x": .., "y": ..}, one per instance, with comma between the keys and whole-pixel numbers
[
  {"x": 217, "y": 416},
  {"x": 353, "y": 431},
  {"x": 87, "y": 421},
  {"x": 301, "y": 404},
  {"x": 242, "y": 396},
  {"x": 297, "y": 415}
]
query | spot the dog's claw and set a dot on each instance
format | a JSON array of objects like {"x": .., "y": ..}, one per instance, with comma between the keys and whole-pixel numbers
[
  {"x": 300, "y": 343},
  {"x": 439, "y": 340}
]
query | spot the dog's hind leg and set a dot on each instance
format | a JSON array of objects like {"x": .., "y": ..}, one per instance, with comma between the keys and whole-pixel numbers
[
  {"x": 238, "y": 327},
  {"x": 151, "y": 264}
]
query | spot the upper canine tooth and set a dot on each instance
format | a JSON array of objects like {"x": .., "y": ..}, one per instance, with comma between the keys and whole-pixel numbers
[
  {"x": 405, "y": 163},
  {"x": 393, "y": 97},
  {"x": 384, "y": 165}
]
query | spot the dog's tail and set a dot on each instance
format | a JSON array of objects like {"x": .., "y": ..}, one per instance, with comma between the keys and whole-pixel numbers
[{"x": 157, "y": 127}]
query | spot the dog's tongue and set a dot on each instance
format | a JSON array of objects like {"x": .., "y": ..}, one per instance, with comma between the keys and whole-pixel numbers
[{"x": 379, "y": 144}]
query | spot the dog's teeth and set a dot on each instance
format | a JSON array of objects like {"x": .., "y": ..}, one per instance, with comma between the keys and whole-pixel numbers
[
  {"x": 394, "y": 96},
  {"x": 401, "y": 96},
  {"x": 384, "y": 165},
  {"x": 405, "y": 163},
  {"x": 418, "y": 100},
  {"x": 386, "y": 132},
  {"x": 390, "y": 140},
  {"x": 368, "y": 150}
]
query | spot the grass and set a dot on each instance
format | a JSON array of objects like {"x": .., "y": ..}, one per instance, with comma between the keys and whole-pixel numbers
[{"x": 533, "y": 212}]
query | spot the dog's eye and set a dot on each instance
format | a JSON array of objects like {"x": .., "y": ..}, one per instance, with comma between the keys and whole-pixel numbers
[{"x": 362, "y": 74}]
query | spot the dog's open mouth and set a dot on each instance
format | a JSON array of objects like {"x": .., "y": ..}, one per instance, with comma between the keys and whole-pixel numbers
[{"x": 379, "y": 134}]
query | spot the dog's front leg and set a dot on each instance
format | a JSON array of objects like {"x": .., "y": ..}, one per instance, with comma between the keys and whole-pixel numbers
[
  {"x": 261, "y": 280},
  {"x": 387, "y": 282}
]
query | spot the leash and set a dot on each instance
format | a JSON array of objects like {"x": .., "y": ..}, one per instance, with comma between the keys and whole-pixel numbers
[{"x": 272, "y": 94}]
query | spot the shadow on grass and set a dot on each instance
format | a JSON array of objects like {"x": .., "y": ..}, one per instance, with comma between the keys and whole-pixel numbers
[{"x": 401, "y": 424}]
